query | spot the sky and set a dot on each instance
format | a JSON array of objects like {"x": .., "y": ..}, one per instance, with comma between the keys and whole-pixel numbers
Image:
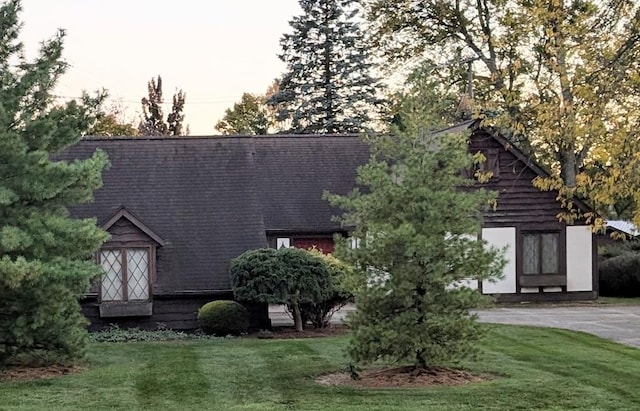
[{"x": 213, "y": 50}]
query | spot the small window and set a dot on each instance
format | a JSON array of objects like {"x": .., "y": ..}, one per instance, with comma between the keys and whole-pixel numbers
[
  {"x": 126, "y": 274},
  {"x": 540, "y": 253},
  {"x": 283, "y": 242}
]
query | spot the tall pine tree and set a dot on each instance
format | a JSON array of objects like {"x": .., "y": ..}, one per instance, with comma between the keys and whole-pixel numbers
[
  {"x": 45, "y": 256},
  {"x": 328, "y": 86}
]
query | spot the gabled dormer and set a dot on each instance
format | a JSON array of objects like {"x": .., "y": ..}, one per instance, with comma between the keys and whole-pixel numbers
[{"x": 129, "y": 261}]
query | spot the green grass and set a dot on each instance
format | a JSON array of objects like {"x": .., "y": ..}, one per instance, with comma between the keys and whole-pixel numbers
[{"x": 542, "y": 369}]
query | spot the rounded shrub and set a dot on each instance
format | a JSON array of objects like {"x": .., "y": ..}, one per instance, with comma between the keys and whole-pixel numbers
[
  {"x": 620, "y": 276},
  {"x": 223, "y": 317}
]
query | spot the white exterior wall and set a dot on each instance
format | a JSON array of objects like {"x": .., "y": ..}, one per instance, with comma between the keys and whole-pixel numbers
[
  {"x": 502, "y": 237},
  {"x": 579, "y": 258}
]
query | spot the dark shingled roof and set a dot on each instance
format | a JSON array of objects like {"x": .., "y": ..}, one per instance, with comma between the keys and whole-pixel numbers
[
  {"x": 293, "y": 173},
  {"x": 212, "y": 198},
  {"x": 198, "y": 194}
]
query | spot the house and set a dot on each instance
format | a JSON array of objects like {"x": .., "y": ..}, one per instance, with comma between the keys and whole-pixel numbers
[
  {"x": 617, "y": 231},
  {"x": 180, "y": 208}
]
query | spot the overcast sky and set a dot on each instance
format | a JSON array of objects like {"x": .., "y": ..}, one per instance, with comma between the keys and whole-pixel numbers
[{"x": 213, "y": 50}]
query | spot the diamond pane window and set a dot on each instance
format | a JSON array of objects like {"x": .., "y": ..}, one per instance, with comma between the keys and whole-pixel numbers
[
  {"x": 530, "y": 254},
  {"x": 126, "y": 274},
  {"x": 112, "y": 286},
  {"x": 138, "y": 274},
  {"x": 550, "y": 253}
]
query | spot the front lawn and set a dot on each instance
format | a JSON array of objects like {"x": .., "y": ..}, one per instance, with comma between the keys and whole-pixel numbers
[{"x": 542, "y": 369}]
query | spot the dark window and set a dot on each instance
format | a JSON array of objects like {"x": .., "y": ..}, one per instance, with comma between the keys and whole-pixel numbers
[
  {"x": 127, "y": 274},
  {"x": 540, "y": 253}
]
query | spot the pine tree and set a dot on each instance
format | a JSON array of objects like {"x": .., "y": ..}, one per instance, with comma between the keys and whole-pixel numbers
[
  {"x": 328, "y": 87},
  {"x": 45, "y": 256},
  {"x": 418, "y": 222}
]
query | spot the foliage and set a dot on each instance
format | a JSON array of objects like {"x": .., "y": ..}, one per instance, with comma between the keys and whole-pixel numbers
[
  {"x": 619, "y": 248},
  {"x": 45, "y": 256},
  {"x": 319, "y": 314},
  {"x": 223, "y": 317},
  {"x": 562, "y": 78},
  {"x": 620, "y": 276},
  {"x": 111, "y": 123},
  {"x": 153, "y": 123},
  {"x": 286, "y": 276},
  {"x": 619, "y": 269},
  {"x": 418, "y": 220},
  {"x": 252, "y": 115},
  {"x": 115, "y": 334},
  {"x": 327, "y": 86}
]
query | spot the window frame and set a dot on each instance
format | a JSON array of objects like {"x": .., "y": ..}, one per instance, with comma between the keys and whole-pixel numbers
[
  {"x": 151, "y": 270},
  {"x": 541, "y": 279}
]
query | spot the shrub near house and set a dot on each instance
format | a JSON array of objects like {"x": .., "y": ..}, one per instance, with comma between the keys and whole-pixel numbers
[{"x": 288, "y": 276}]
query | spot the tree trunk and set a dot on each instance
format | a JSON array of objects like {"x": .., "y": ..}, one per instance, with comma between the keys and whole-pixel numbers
[
  {"x": 569, "y": 167},
  {"x": 297, "y": 316},
  {"x": 421, "y": 362}
]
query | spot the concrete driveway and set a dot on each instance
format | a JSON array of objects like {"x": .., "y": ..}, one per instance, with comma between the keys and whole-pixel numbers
[{"x": 616, "y": 322}]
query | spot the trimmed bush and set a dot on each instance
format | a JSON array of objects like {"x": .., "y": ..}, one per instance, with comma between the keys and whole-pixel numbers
[
  {"x": 319, "y": 313},
  {"x": 223, "y": 317},
  {"x": 286, "y": 276},
  {"x": 619, "y": 248},
  {"x": 620, "y": 276}
]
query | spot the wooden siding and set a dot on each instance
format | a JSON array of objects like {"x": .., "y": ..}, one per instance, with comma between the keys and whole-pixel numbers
[
  {"x": 123, "y": 233},
  {"x": 322, "y": 241},
  {"x": 172, "y": 311},
  {"x": 323, "y": 244},
  {"x": 519, "y": 202}
]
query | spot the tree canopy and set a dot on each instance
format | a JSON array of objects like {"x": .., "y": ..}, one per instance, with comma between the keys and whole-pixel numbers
[
  {"x": 45, "y": 256},
  {"x": 250, "y": 116},
  {"x": 560, "y": 77},
  {"x": 111, "y": 122},
  {"x": 328, "y": 85}
]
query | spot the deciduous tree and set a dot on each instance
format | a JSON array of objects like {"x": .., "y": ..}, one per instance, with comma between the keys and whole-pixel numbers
[
  {"x": 249, "y": 116},
  {"x": 328, "y": 85},
  {"x": 45, "y": 256},
  {"x": 111, "y": 122},
  {"x": 563, "y": 76},
  {"x": 153, "y": 123}
]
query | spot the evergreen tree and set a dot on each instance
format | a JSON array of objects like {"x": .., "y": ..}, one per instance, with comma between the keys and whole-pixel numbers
[
  {"x": 328, "y": 87},
  {"x": 45, "y": 256},
  {"x": 418, "y": 223},
  {"x": 153, "y": 123}
]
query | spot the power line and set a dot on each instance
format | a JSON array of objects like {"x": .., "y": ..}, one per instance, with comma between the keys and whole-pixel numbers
[{"x": 130, "y": 101}]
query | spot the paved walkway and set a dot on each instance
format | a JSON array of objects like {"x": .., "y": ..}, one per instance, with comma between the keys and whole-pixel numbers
[{"x": 618, "y": 323}]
